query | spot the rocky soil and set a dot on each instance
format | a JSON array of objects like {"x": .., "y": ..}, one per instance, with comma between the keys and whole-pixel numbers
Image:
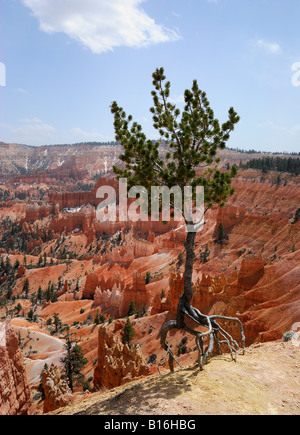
[{"x": 264, "y": 381}]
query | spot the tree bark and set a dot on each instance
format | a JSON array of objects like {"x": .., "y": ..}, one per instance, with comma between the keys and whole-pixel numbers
[{"x": 187, "y": 296}]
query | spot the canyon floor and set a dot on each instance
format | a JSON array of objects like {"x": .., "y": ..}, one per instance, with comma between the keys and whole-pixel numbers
[{"x": 264, "y": 381}]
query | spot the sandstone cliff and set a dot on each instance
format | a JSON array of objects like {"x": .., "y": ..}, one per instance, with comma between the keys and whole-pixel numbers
[{"x": 15, "y": 394}]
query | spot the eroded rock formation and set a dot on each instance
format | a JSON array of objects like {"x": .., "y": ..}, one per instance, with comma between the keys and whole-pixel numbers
[
  {"x": 57, "y": 392},
  {"x": 118, "y": 363},
  {"x": 229, "y": 216},
  {"x": 252, "y": 270},
  {"x": 113, "y": 296},
  {"x": 15, "y": 393},
  {"x": 136, "y": 293}
]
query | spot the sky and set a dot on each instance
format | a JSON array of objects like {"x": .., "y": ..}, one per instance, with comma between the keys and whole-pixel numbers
[{"x": 62, "y": 63}]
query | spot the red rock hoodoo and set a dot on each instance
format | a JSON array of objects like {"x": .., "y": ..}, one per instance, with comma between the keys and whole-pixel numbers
[
  {"x": 118, "y": 363},
  {"x": 15, "y": 393}
]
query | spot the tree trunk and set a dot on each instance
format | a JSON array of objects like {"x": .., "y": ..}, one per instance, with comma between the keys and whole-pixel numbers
[
  {"x": 189, "y": 267},
  {"x": 187, "y": 296}
]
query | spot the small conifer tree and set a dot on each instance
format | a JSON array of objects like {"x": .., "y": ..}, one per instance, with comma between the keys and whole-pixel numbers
[
  {"x": 128, "y": 332},
  {"x": 221, "y": 234},
  {"x": 26, "y": 287},
  {"x": 131, "y": 309},
  {"x": 297, "y": 216},
  {"x": 74, "y": 363}
]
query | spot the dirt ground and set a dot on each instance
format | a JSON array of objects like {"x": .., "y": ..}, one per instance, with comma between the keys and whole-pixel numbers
[{"x": 264, "y": 381}]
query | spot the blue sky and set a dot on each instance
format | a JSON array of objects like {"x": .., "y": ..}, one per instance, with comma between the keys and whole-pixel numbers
[{"x": 67, "y": 60}]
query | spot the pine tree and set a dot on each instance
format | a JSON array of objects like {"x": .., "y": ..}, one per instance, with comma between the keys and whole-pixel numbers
[
  {"x": 9, "y": 292},
  {"x": 127, "y": 332},
  {"x": 297, "y": 216},
  {"x": 18, "y": 308},
  {"x": 131, "y": 309},
  {"x": 221, "y": 236},
  {"x": 190, "y": 144},
  {"x": 40, "y": 261},
  {"x": 204, "y": 255},
  {"x": 57, "y": 322},
  {"x": 17, "y": 264},
  {"x": 8, "y": 265},
  {"x": 147, "y": 278},
  {"x": 39, "y": 294},
  {"x": 99, "y": 318},
  {"x": 31, "y": 316},
  {"x": 74, "y": 363},
  {"x": 26, "y": 287}
]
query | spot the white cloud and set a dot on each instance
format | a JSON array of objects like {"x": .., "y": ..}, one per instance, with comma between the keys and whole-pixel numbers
[
  {"x": 35, "y": 125},
  {"x": 29, "y": 131},
  {"x": 34, "y": 131},
  {"x": 101, "y": 25},
  {"x": 271, "y": 47}
]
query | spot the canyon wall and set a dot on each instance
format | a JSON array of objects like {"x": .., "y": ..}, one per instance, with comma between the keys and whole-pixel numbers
[{"x": 15, "y": 394}]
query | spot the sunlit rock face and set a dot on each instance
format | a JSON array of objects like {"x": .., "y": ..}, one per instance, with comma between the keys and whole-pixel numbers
[
  {"x": 118, "y": 363},
  {"x": 15, "y": 394}
]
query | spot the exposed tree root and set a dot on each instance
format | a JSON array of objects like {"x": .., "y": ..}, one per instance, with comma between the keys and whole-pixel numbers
[{"x": 215, "y": 333}]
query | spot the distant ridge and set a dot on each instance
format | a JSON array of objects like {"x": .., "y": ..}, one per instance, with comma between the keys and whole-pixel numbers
[{"x": 94, "y": 157}]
